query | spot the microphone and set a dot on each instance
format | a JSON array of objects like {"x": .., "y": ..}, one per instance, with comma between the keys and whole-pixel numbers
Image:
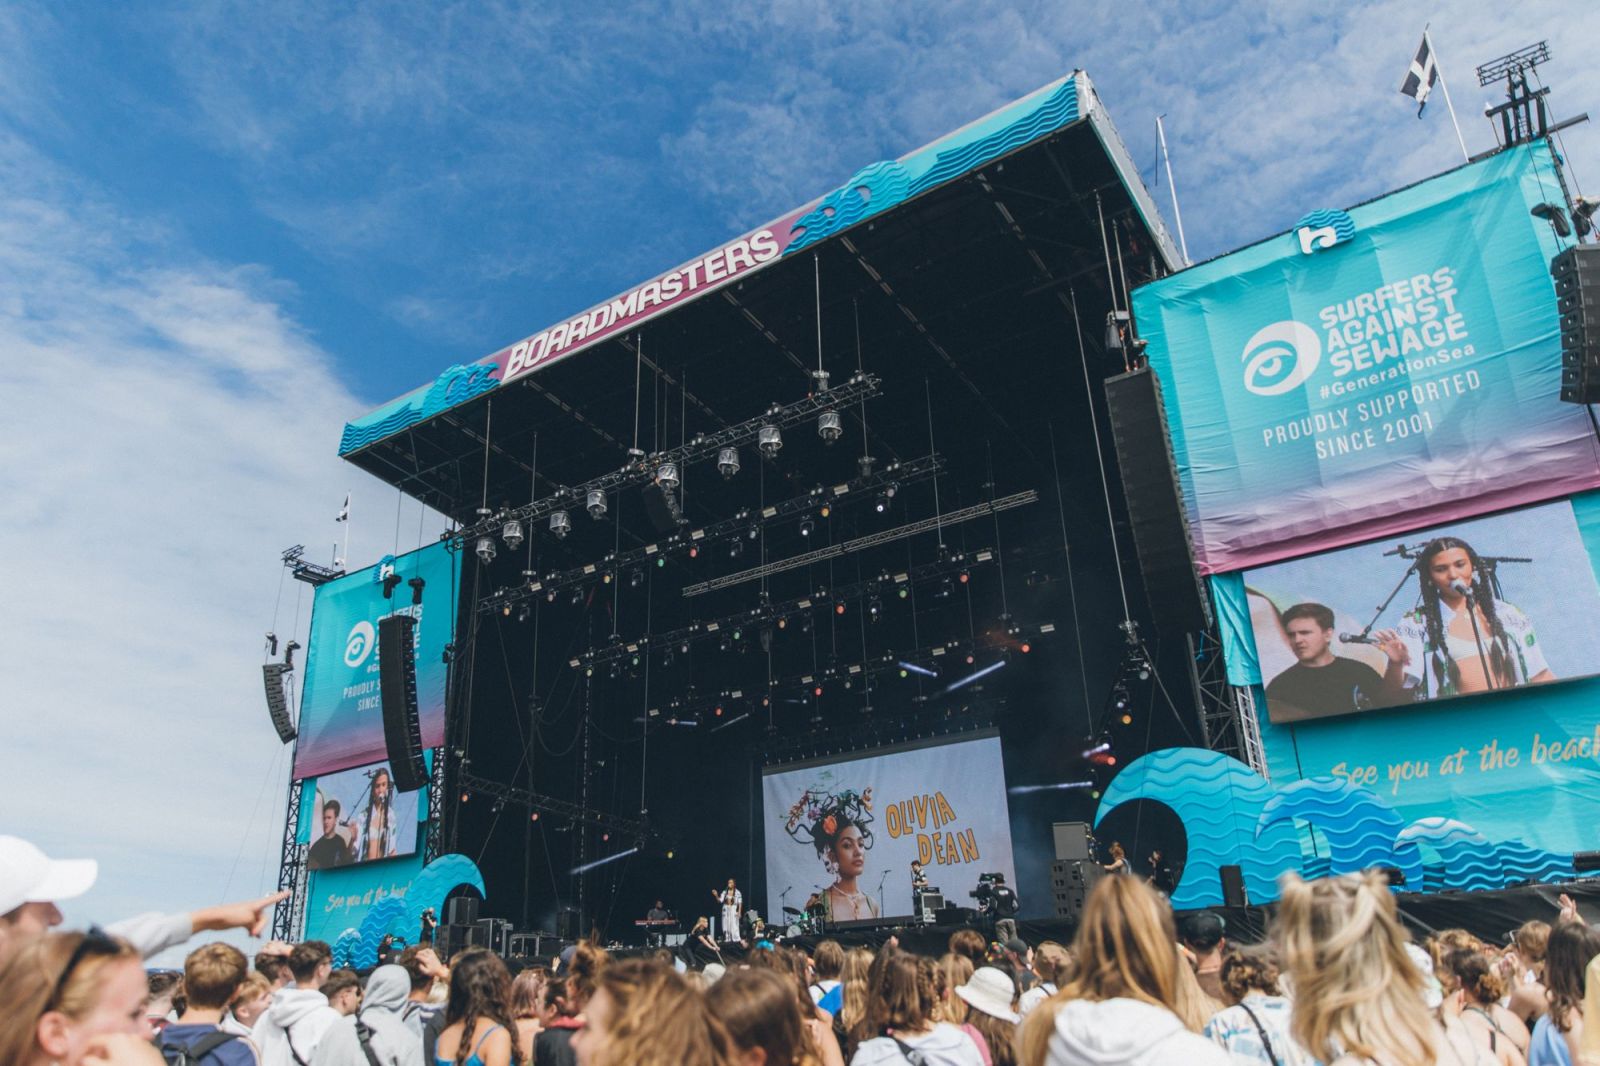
[
  {"x": 1461, "y": 588},
  {"x": 1355, "y": 638}
]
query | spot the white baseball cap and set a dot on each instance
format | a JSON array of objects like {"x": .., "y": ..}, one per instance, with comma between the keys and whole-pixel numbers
[{"x": 28, "y": 875}]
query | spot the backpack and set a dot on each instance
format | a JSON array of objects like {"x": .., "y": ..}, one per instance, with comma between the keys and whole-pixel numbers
[{"x": 191, "y": 1054}]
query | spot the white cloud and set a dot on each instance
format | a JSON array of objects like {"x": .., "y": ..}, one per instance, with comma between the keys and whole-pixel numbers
[{"x": 168, "y": 431}]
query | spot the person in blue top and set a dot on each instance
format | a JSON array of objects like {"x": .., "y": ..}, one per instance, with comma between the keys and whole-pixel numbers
[
  {"x": 211, "y": 976},
  {"x": 478, "y": 1029},
  {"x": 1557, "y": 1034}
]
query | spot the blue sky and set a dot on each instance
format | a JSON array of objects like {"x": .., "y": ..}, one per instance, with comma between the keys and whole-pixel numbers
[{"x": 227, "y": 228}]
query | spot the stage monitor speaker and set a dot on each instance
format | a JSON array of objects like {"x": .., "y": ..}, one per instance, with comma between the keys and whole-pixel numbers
[
  {"x": 278, "y": 699},
  {"x": 461, "y": 910},
  {"x": 567, "y": 923},
  {"x": 397, "y": 682},
  {"x": 1155, "y": 510},
  {"x": 1577, "y": 276},
  {"x": 1072, "y": 840},
  {"x": 1233, "y": 890}
]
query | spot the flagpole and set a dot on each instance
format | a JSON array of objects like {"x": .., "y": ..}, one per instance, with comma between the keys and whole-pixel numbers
[
  {"x": 1161, "y": 134},
  {"x": 345, "y": 561},
  {"x": 1450, "y": 107}
]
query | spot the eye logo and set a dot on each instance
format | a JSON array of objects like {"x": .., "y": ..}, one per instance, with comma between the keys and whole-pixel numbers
[
  {"x": 1280, "y": 357},
  {"x": 1323, "y": 229},
  {"x": 358, "y": 645}
]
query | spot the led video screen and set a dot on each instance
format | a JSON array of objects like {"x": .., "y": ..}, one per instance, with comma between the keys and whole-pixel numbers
[
  {"x": 1453, "y": 610},
  {"x": 358, "y": 816}
]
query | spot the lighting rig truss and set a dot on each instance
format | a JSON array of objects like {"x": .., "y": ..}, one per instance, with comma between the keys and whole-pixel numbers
[
  {"x": 302, "y": 569},
  {"x": 777, "y": 615},
  {"x": 876, "y": 730},
  {"x": 642, "y": 469},
  {"x": 637, "y": 828},
  {"x": 923, "y": 661},
  {"x": 871, "y": 540},
  {"x": 743, "y": 524}
]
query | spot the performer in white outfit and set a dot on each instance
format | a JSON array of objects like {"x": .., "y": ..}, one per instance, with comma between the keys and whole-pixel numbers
[{"x": 732, "y": 901}]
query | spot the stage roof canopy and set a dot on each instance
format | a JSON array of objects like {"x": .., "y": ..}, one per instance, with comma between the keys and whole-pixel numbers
[{"x": 957, "y": 264}]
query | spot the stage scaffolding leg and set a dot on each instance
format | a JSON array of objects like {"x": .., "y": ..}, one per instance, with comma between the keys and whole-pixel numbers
[
  {"x": 1227, "y": 712},
  {"x": 433, "y": 845},
  {"x": 288, "y": 917}
]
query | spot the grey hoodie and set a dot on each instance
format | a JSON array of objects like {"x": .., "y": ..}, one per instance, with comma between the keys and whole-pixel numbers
[
  {"x": 392, "y": 1040},
  {"x": 292, "y": 1026},
  {"x": 1126, "y": 1032}
]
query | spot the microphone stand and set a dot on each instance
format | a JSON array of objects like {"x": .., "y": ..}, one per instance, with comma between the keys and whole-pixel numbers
[
  {"x": 1477, "y": 637},
  {"x": 1403, "y": 552},
  {"x": 881, "y": 880}
]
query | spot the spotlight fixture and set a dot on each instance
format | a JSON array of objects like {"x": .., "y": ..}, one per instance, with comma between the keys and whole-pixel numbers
[
  {"x": 596, "y": 503},
  {"x": 728, "y": 462},
  {"x": 838, "y": 607},
  {"x": 727, "y": 642},
  {"x": 769, "y": 439},
  {"x": 1583, "y": 214},
  {"x": 511, "y": 533},
  {"x": 807, "y": 527},
  {"x": 1119, "y": 697},
  {"x": 829, "y": 426},
  {"x": 524, "y": 614},
  {"x": 635, "y": 578},
  {"x": 577, "y": 596},
  {"x": 735, "y": 548},
  {"x": 667, "y": 476},
  {"x": 1553, "y": 214},
  {"x": 560, "y": 525},
  {"x": 874, "y": 608},
  {"x": 485, "y": 550}
]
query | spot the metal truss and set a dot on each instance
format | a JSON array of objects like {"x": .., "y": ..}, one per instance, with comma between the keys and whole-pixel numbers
[
  {"x": 433, "y": 846},
  {"x": 643, "y": 469},
  {"x": 1227, "y": 713},
  {"x": 302, "y": 569},
  {"x": 871, "y": 540},
  {"x": 580, "y": 814},
  {"x": 288, "y": 917},
  {"x": 695, "y": 541},
  {"x": 777, "y": 614}
]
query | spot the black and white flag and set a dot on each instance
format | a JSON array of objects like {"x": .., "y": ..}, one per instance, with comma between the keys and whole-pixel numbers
[
  {"x": 344, "y": 512},
  {"x": 1420, "y": 78}
]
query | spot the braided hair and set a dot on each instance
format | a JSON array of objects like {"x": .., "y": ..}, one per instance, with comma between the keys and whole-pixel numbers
[
  {"x": 385, "y": 806},
  {"x": 1447, "y": 675}
]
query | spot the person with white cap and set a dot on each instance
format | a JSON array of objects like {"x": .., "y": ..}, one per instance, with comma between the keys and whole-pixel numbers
[
  {"x": 988, "y": 995},
  {"x": 32, "y": 883}
]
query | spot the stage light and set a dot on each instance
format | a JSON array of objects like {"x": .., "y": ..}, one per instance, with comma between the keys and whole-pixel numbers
[
  {"x": 550, "y": 596},
  {"x": 605, "y": 836},
  {"x": 838, "y": 607},
  {"x": 727, "y": 642},
  {"x": 485, "y": 550},
  {"x": 1552, "y": 214},
  {"x": 805, "y": 623},
  {"x": 829, "y": 426},
  {"x": 606, "y": 578},
  {"x": 666, "y": 658},
  {"x": 738, "y": 633},
  {"x": 735, "y": 548},
  {"x": 971, "y": 658},
  {"x": 904, "y": 673},
  {"x": 1111, "y": 760},
  {"x": 1583, "y": 210},
  {"x": 511, "y": 533},
  {"x": 816, "y": 690},
  {"x": 874, "y": 608},
  {"x": 783, "y": 622},
  {"x": 669, "y": 854},
  {"x": 577, "y": 596},
  {"x": 964, "y": 578},
  {"x": 717, "y": 711},
  {"x": 683, "y": 649},
  {"x": 807, "y": 526},
  {"x": 524, "y": 614},
  {"x": 1127, "y": 719},
  {"x": 753, "y": 532},
  {"x": 905, "y": 591},
  {"x": 1095, "y": 794},
  {"x": 667, "y": 476},
  {"x": 616, "y": 670},
  {"x": 728, "y": 462},
  {"x": 661, "y": 562},
  {"x": 506, "y": 610},
  {"x": 534, "y": 817},
  {"x": 588, "y": 671},
  {"x": 1025, "y": 648},
  {"x": 560, "y": 525},
  {"x": 635, "y": 578},
  {"x": 944, "y": 589},
  {"x": 694, "y": 551},
  {"x": 596, "y": 504},
  {"x": 975, "y": 675},
  {"x": 465, "y": 796},
  {"x": 769, "y": 439}
]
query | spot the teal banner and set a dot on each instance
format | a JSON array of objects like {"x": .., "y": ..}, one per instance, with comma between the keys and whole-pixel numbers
[
  {"x": 1373, "y": 371},
  {"x": 341, "y": 712}
]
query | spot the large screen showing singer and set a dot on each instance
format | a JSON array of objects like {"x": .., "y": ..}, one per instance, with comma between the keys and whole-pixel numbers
[
  {"x": 841, "y": 833},
  {"x": 1455, "y": 610},
  {"x": 358, "y": 816}
]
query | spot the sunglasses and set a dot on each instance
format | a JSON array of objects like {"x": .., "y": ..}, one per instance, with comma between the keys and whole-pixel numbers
[{"x": 94, "y": 942}]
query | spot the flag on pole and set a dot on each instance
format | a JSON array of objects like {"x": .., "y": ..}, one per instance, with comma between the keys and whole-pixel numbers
[
  {"x": 1420, "y": 78},
  {"x": 344, "y": 512}
]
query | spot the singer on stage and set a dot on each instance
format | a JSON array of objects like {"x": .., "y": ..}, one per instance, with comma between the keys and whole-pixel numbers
[
  {"x": 1321, "y": 683},
  {"x": 1461, "y": 638},
  {"x": 732, "y": 901}
]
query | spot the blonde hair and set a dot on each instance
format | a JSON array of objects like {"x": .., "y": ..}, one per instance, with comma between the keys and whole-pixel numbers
[
  {"x": 1356, "y": 990},
  {"x": 957, "y": 971},
  {"x": 28, "y": 985},
  {"x": 853, "y": 1006},
  {"x": 1126, "y": 948},
  {"x": 658, "y": 1019},
  {"x": 1194, "y": 1005}
]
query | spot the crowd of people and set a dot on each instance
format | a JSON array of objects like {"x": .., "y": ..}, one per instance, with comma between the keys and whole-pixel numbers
[{"x": 1338, "y": 982}]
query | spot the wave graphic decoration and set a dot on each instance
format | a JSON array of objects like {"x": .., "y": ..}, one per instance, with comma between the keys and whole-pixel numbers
[
  {"x": 880, "y": 186},
  {"x": 402, "y": 914},
  {"x": 1233, "y": 816},
  {"x": 1219, "y": 800},
  {"x": 1343, "y": 226},
  {"x": 456, "y": 385}
]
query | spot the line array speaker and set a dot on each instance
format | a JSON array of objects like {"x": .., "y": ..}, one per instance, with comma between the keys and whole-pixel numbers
[
  {"x": 278, "y": 699},
  {"x": 1577, "y": 276},
  {"x": 1070, "y": 883},
  {"x": 397, "y": 678},
  {"x": 1150, "y": 484}
]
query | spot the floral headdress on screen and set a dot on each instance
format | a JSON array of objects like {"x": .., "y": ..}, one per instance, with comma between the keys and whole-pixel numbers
[{"x": 821, "y": 814}]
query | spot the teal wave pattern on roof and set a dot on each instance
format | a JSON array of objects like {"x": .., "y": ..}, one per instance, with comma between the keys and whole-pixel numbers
[
  {"x": 456, "y": 385},
  {"x": 876, "y": 188}
]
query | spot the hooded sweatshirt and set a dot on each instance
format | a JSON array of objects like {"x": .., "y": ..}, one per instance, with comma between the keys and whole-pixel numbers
[
  {"x": 291, "y": 1028},
  {"x": 1126, "y": 1032},
  {"x": 391, "y": 1039},
  {"x": 944, "y": 1045}
]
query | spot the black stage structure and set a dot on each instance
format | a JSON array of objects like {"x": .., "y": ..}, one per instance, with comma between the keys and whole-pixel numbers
[{"x": 615, "y": 691}]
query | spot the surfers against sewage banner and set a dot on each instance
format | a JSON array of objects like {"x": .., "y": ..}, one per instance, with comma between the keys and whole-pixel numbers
[{"x": 1372, "y": 371}]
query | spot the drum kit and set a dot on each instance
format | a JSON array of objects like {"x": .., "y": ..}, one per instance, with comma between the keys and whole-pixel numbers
[{"x": 809, "y": 919}]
